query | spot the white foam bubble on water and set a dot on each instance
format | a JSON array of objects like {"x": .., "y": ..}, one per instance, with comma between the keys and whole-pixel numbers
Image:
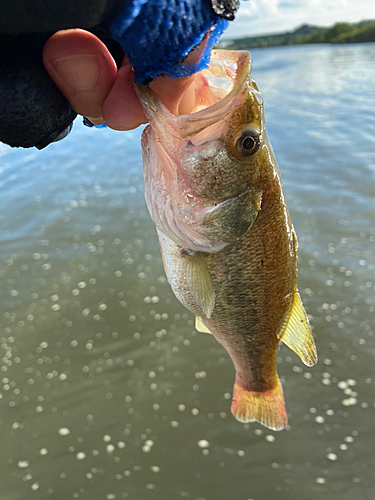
[
  {"x": 64, "y": 431},
  {"x": 349, "y": 401},
  {"x": 203, "y": 443},
  {"x": 270, "y": 438}
]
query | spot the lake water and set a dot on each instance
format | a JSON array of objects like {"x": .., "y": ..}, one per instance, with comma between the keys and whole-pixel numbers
[{"x": 108, "y": 392}]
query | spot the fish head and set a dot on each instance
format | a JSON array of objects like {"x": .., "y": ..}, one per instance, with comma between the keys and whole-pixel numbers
[
  {"x": 199, "y": 166},
  {"x": 220, "y": 161}
]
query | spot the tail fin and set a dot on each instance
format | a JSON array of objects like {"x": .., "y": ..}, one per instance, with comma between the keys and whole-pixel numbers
[{"x": 267, "y": 408}]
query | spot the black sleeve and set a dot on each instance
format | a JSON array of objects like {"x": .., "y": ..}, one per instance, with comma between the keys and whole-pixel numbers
[{"x": 33, "y": 111}]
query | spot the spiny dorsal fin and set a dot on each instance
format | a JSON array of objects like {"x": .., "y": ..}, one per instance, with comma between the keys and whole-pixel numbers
[
  {"x": 297, "y": 333},
  {"x": 200, "y": 326},
  {"x": 200, "y": 283}
]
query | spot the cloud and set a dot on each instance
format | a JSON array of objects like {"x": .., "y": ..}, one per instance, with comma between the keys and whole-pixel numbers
[
  {"x": 289, "y": 4},
  {"x": 274, "y": 16}
]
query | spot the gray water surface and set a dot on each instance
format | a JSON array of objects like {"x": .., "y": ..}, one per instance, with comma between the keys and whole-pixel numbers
[{"x": 108, "y": 392}]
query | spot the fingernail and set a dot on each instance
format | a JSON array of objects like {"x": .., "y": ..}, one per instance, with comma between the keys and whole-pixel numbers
[
  {"x": 94, "y": 121},
  {"x": 81, "y": 72}
]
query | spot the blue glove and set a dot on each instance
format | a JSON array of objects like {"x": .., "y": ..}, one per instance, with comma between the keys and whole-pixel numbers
[{"x": 157, "y": 35}]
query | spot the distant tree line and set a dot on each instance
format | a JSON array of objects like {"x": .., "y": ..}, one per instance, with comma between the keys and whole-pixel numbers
[{"x": 363, "y": 31}]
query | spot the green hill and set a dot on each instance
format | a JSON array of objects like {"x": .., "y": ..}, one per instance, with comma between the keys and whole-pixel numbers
[{"x": 363, "y": 31}]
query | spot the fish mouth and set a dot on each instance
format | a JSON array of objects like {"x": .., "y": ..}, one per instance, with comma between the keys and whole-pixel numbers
[{"x": 218, "y": 90}]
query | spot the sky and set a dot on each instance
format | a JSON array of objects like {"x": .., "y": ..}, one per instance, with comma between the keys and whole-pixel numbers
[{"x": 274, "y": 16}]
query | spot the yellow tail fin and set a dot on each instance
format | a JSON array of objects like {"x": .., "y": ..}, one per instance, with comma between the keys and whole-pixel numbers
[{"x": 267, "y": 408}]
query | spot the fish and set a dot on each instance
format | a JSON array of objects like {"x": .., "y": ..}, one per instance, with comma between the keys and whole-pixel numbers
[{"x": 229, "y": 249}]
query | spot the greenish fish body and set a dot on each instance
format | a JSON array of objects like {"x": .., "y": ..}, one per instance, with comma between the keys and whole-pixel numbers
[{"x": 214, "y": 192}]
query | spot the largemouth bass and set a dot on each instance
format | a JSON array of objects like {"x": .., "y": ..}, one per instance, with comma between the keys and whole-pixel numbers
[{"x": 214, "y": 192}]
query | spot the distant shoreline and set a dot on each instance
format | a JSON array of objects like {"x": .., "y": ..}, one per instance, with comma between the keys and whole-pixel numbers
[{"x": 363, "y": 31}]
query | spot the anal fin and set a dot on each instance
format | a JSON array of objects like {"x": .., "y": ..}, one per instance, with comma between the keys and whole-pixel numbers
[
  {"x": 297, "y": 333},
  {"x": 200, "y": 326},
  {"x": 267, "y": 407}
]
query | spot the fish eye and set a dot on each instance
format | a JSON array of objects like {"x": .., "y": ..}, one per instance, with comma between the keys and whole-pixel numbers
[{"x": 247, "y": 142}]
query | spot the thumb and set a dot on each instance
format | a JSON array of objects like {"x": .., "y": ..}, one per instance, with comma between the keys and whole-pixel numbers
[{"x": 82, "y": 68}]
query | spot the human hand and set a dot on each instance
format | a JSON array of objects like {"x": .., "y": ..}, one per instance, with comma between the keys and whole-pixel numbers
[{"x": 86, "y": 74}]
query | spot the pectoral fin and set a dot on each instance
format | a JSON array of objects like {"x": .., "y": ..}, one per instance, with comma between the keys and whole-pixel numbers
[
  {"x": 230, "y": 220},
  {"x": 200, "y": 283},
  {"x": 297, "y": 333},
  {"x": 200, "y": 326}
]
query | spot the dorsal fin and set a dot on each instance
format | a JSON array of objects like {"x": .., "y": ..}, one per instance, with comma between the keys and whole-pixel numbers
[
  {"x": 200, "y": 326},
  {"x": 296, "y": 333}
]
